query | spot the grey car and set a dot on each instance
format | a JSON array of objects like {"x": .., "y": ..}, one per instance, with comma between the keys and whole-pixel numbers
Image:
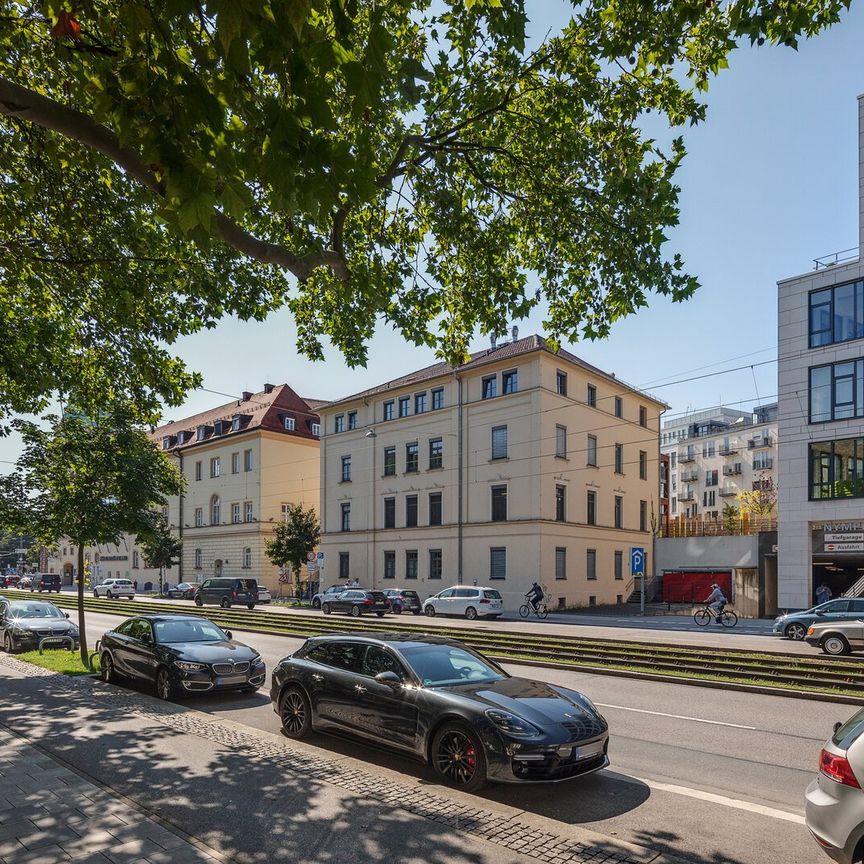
[
  {"x": 834, "y": 800},
  {"x": 795, "y": 624},
  {"x": 24, "y": 624},
  {"x": 837, "y": 637}
]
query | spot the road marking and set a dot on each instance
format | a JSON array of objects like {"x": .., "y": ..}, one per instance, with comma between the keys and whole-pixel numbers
[{"x": 676, "y": 716}]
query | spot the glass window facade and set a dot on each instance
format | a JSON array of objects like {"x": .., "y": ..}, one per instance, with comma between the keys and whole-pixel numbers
[
  {"x": 837, "y": 469},
  {"x": 436, "y": 453},
  {"x": 412, "y": 457},
  {"x": 837, "y": 314},
  {"x": 438, "y": 399},
  {"x": 837, "y": 391}
]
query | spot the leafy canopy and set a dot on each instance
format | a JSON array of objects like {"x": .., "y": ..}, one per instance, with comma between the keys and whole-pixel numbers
[
  {"x": 161, "y": 548},
  {"x": 165, "y": 162},
  {"x": 294, "y": 538}
]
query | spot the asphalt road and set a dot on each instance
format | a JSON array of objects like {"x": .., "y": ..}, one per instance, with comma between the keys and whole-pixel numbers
[{"x": 715, "y": 776}]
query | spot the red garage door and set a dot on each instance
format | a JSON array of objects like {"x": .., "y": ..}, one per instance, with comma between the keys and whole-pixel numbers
[{"x": 690, "y": 586}]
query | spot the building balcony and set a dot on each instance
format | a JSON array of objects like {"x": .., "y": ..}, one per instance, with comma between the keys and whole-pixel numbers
[
  {"x": 731, "y": 450},
  {"x": 763, "y": 465},
  {"x": 728, "y": 491},
  {"x": 685, "y": 457},
  {"x": 689, "y": 476},
  {"x": 761, "y": 442},
  {"x": 732, "y": 470},
  {"x": 684, "y": 495}
]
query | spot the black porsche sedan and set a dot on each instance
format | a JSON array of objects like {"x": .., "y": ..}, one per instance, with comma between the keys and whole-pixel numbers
[
  {"x": 443, "y": 703},
  {"x": 179, "y": 654}
]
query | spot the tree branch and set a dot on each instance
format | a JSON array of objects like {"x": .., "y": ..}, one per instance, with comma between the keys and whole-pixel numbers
[{"x": 23, "y": 104}]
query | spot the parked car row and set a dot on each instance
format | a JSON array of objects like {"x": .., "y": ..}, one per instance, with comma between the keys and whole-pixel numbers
[{"x": 837, "y": 627}]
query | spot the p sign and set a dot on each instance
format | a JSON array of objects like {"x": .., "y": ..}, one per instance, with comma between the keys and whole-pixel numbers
[{"x": 637, "y": 560}]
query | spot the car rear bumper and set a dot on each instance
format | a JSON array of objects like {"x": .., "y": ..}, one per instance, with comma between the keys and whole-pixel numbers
[{"x": 831, "y": 817}]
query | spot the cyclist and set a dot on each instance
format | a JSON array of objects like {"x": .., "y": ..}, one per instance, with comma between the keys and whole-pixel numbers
[
  {"x": 534, "y": 596},
  {"x": 717, "y": 601}
]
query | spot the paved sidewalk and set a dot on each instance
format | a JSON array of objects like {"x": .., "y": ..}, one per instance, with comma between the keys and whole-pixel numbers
[{"x": 50, "y": 814}]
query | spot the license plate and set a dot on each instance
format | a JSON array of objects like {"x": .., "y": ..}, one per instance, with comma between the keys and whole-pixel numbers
[
  {"x": 228, "y": 680},
  {"x": 496, "y": 604},
  {"x": 48, "y": 642},
  {"x": 588, "y": 750}
]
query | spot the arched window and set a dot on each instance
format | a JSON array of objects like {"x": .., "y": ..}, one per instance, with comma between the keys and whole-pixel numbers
[
  {"x": 247, "y": 557},
  {"x": 198, "y": 559},
  {"x": 215, "y": 510}
]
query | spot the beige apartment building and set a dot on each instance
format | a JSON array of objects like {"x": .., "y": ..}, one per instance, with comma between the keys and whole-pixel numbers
[
  {"x": 243, "y": 463},
  {"x": 124, "y": 559},
  {"x": 520, "y": 464}
]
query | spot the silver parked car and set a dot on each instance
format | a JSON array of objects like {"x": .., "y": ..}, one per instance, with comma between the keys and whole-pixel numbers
[
  {"x": 838, "y": 637},
  {"x": 834, "y": 800}
]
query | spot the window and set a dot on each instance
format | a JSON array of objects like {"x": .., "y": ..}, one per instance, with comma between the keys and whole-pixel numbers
[
  {"x": 436, "y": 564},
  {"x": 235, "y": 463},
  {"x": 837, "y": 314},
  {"x": 490, "y": 387},
  {"x": 198, "y": 559},
  {"x": 339, "y": 423},
  {"x": 510, "y": 381},
  {"x": 316, "y": 429},
  {"x": 561, "y": 441},
  {"x": 136, "y": 558},
  {"x": 619, "y": 406},
  {"x": 619, "y": 511},
  {"x": 497, "y": 562},
  {"x": 499, "y": 442},
  {"x": 388, "y": 410},
  {"x": 709, "y": 450},
  {"x": 346, "y": 469},
  {"x": 643, "y": 416},
  {"x": 619, "y": 565},
  {"x": 247, "y": 558},
  {"x": 591, "y": 397},
  {"x": 247, "y": 511},
  {"x": 286, "y": 512},
  {"x": 410, "y": 511},
  {"x": 619, "y": 458},
  {"x": 247, "y": 458},
  {"x": 561, "y": 383},
  {"x": 389, "y": 565},
  {"x": 437, "y": 398},
  {"x": 560, "y": 503},
  {"x": 215, "y": 469},
  {"x": 389, "y": 512},
  {"x": 235, "y": 514},
  {"x": 591, "y": 564},
  {"x": 708, "y": 498},
  {"x": 404, "y": 406},
  {"x": 411, "y": 564},
  {"x": 344, "y": 566},
  {"x": 711, "y": 477},
  {"x": 643, "y": 465},
  {"x": 389, "y": 461},
  {"x": 591, "y": 508},
  {"x": 673, "y": 459},
  {"x": 215, "y": 510},
  {"x": 236, "y": 423},
  {"x": 352, "y": 419},
  {"x": 592, "y": 451},
  {"x": 346, "y": 515},
  {"x": 289, "y": 423},
  {"x": 643, "y": 515},
  {"x": 837, "y": 469},
  {"x": 837, "y": 391},
  {"x": 199, "y": 517},
  {"x": 560, "y": 563},
  {"x": 499, "y": 503},
  {"x": 412, "y": 458},
  {"x": 200, "y": 433},
  {"x": 435, "y": 508},
  {"x": 420, "y": 403},
  {"x": 198, "y": 471},
  {"x": 436, "y": 453}
]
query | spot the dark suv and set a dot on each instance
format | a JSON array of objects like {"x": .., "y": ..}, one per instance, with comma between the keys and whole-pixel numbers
[
  {"x": 357, "y": 602},
  {"x": 45, "y": 582},
  {"x": 227, "y": 592},
  {"x": 403, "y": 600}
]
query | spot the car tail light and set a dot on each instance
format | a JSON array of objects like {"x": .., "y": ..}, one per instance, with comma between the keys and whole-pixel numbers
[
  {"x": 368, "y": 601},
  {"x": 484, "y": 600},
  {"x": 233, "y": 595},
  {"x": 838, "y": 769}
]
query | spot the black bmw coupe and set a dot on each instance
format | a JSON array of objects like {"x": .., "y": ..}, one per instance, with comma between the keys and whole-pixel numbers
[
  {"x": 443, "y": 703},
  {"x": 179, "y": 654}
]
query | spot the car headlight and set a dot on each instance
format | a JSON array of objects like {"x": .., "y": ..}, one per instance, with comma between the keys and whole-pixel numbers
[
  {"x": 257, "y": 658},
  {"x": 511, "y": 724},
  {"x": 186, "y": 666}
]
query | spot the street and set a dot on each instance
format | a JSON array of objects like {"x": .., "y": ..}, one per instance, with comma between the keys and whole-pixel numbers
[{"x": 709, "y": 775}]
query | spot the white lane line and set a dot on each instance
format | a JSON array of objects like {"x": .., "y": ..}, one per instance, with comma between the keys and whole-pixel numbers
[{"x": 675, "y": 716}]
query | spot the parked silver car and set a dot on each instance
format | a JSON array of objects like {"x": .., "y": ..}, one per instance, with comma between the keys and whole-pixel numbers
[
  {"x": 834, "y": 800},
  {"x": 793, "y": 625},
  {"x": 837, "y": 637}
]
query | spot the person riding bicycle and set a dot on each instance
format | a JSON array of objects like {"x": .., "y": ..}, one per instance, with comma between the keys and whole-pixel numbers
[
  {"x": 717, "y": 601},
  {"x": 534, "y": 596}
]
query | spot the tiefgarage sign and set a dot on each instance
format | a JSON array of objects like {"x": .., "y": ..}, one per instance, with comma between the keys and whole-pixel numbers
[{"x": 844, "y": 538}]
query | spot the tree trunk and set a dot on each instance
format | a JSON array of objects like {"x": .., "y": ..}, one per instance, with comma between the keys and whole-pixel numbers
[{"x": 82, "y": 624}]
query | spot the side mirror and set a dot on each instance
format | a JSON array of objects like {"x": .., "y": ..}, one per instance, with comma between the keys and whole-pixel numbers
[
  {"x": 229, "y": 634},
  {"x": 66, "y": 614},
  {"x": 391, "y": 679}
]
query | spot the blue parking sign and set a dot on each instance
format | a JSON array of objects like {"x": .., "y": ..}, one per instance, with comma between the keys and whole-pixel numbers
[{"x": 637, "y": 560}]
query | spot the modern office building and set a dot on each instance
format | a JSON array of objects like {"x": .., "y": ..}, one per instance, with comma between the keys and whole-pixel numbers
[
  {"x": 821, "y": 421},
  {"x": 521, "y": 464}
]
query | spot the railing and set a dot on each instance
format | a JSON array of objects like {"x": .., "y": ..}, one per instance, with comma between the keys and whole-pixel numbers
[
  {"x": 689, "y": 476},
  {"x": 761, "y": 442},
  {"x": 744, "y": 523},
  {"x": 732, "y": 470},
  {"x": 763, "y": 464},
  {"x": 836, "y": 258},
  {"x": 731, "y": 450},
  {"x": 685, "y": 457},
  {"x": 856, "y": 590},
  {"x": 728, "y": 491},
  {"x": 686, "y": 496}
]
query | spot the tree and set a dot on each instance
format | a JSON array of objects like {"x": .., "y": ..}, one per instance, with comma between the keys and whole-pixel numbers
[
  {"x": 165, "y": 163},
  {"x": 762, "y": 499},
  {"x": 294, "y": 539},
  {"x": 161, "y": 548},
  {"x": 731, "y": 519},
  {"x": 89, "y": 480}
]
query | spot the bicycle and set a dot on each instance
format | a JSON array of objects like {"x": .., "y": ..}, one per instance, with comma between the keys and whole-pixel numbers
[
  {"x": 703, "y": 616},
  {"x": 541, "y": 610}
]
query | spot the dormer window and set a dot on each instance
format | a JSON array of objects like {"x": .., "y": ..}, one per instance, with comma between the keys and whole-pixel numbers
[
  {"x": 167, "y": 441},
  {"x": 235, "y": 423},
  {"x": 288, "y": 423},
  {"x": 316, "y": 428},
  {"x": 218, "y": 427},
  {"x": 201, "y": 433}
]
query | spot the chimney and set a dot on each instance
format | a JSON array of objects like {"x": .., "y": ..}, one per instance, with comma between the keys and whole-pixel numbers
[
  {"x": 269, "y": 388},
  {"x": 246, "y": 395},
  {"x": 494, "y": 340},
  {"x": 515, "y": 332},
  {"x": 861, "y": 177}
]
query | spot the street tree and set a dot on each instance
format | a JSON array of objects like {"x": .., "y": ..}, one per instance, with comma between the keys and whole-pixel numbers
[
  {"x": 88, "y": 480},
  {"x": 161, "y": 548},
  {"x": 420, "y": 163},
  {"x": 761, "y": 499},
  {"x": 294, "y": 539}
]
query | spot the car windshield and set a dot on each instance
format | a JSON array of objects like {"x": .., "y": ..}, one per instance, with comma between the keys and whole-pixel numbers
[
  {"x": 448, "y": 665},
  {"x": 187, "y": 630},
  {"x": 35, "y": 610}
]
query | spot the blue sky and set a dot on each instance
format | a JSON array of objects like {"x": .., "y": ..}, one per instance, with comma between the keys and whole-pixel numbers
[{"x": 770, "y": 182}]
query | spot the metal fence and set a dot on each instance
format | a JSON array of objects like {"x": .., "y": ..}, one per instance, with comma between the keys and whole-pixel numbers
[{"x": 698, "y": 527}]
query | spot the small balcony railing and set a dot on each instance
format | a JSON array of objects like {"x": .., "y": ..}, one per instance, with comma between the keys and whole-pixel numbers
[
  {"x": 689, "y": 476},
  {"x": 760, "y": 443},
  {"x": 763, "y": 464},
  {"x": 685, "y": 456},
  {"x": 728, "y": 491},
  {"x": 729, "y": 450},
  {"x": 732, "y": 470},
  {"x": 684, "y": 495},
  {"x": 841, "y": 257}
]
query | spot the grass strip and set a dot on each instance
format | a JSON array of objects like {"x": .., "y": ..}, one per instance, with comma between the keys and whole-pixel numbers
[{"x": 59, "y": 660}]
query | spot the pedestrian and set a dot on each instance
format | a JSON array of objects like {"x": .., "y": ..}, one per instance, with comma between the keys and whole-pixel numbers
[
  {"x": 823, "y": 594},
  {"x": 135, "y": 586}
]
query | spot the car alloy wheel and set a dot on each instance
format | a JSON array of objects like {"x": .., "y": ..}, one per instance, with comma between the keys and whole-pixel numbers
[
  {"x": 355, "y": 611},
  {"x": 470, "y": 613},
  {"x": 199, "y": 601},
  {"x": 835, "y": 645},
  {"x": 107, "y": 669},
  {"x": 164, "y": 687},
  {"x": 796, "y": 631},
  {"x": 316, "y": 603},
  {"x": 226, "y": 603},
  {"x": 95, "y": 593},
  {"x": 109, "y": 595},
  {"x": 295, "y": 713},
  {"x": 8, "y": 647},
  {"x": 458, "y": 757},
  {"x": 430, "y": 611},
  {"x": 326, "y": 608}
]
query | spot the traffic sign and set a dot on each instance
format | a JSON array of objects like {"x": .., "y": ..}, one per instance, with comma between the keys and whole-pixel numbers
[
  {"x": 312, "y": 566},
  {"x": 637, "y": 560},
  {"x": 310, "y": 556},
  {"x": 320, "y": 556},
  {"x": 284, "y": 579}
]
